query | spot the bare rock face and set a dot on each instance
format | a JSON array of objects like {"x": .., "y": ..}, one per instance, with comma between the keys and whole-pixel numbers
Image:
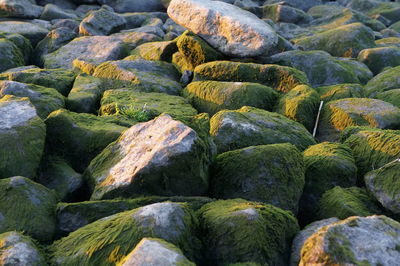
[
  {"x": 229, "y": 29},
  {"x": 159, "y": 157}
]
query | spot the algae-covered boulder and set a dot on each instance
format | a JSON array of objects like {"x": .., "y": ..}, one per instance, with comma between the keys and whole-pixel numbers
[
  {"x": 340, "y": 91},
  {"x": 321, "y": 68},
  {"x": 59, "y": 79},
  {"x": 301, "y": 105},
  {"x": 372, "y": 240},
  {"x": 343, "y": 41},
  {"x": 10, "y": 55},
  {"x": 21, "y": 42},
  {"x": 155, "y": 252},
  {"x": 278, "y": 77},
  {"x": 45, "y": 100},
  {"x": 345, "y": 202},
  {"x": 384, "y": 184},
  {"x": 389, "y": 41},
  {"x": 384, "y": 81},
  {"x": 159, "y": 157},
  {"x": 109, "y": 240},
  {"x": 142, "y": 75},
  {"x": 27, "y": 206},
  {"x": 339, "y": 114},
  {"x": 157, "y": 51},
  {"x": 373, "y": 149},
  {"x": 32, "y": 31},
  {"x": 250, "y": 126},
  {"x": 302, "y": 237},
  {"x": 101, "y": 22},
  {"x": 272, "y": 174},
  {"x": 22, "y": 137},
  {"x": 17, "y": 249},
  {"x": 214, "y": 96},
  {"x": 284, "y": 13},
  {"x": 80, "y": 137},
  {"x": 377, "y": 59},
  {"x": 327, "y": 165},
  {"x": 150, "y": 104},
  {"x": 237, "y": 231},
  {"x": 391, "y": 96}
]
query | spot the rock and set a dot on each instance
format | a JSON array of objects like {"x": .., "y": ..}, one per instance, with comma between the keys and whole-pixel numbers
[
  {"x": 383, "y": 184},
  {"x": 250, "y": 126},
  {"x": 143, "y": 105},
  {"x": 266, "y": 232},
  {"x": 122, "y": 6},
  {"x": 22, "y": 135},
  {"x": 280, "y": 78},
  {"x": 327, "y": 165},
  {"x": 385, "y": 42},
  {"x": 137, "y": 19},
  {"x": 320, "y": 68},
  {"x": 301, "y": 105},
  {"x": 66, "y": 23},
  {"x": 362, "y": 240},
  {"x": 284, "y": 13},
  {"x": 17, "y": 249},
  {"x": 10, "y": 55},
  {"x": 33, "y": 32},
  {"x": 339, "y": 114},
  {"x": 21, "y": 42},
  {"x": 391, "y": 96},
  {"x": 20, "y": 9},
  {"x": 142, "y": 75},
  {"x": 101, "y": 22},
  {"x": 377, "y": 59},
  {"x": 384, "y": 81},
  {"x": 95, "y": 49},
  {"x": 340, "y": 91},
  {"x": 112, "y": 238},
  {"x": 272, "y": 174},
  {"x": 176, "y": 163},
  {"x": 45, "y": 100},
  {"x": 59, "y": 79},
  {"x": 343, "y": 41},
  {"x": 303, "y": 5},
  {"x": 361, "y": 70},
  {"x": 157, "y": 51},
  {"x": 302, "y": 237},
  {"x": 227, "y": 28},
  {"x": 52, "y": 12},
  {"x": 155, "y": 252},
  {"x": 27, "y": 206},
  {"x": 80, "y": 137},
  {"x": 346, "y": 202},
  {"x": 214, "y": 96}
]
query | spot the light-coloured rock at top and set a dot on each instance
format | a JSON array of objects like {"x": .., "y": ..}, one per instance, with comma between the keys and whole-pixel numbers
[{"x": 229, "y": 29}]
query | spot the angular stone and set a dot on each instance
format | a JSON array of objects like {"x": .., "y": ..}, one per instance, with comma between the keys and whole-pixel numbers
[
  {"x": 101, "y": 22},
  {"x": 377, "y": 59},
  {"x": 31, "y": 31}
]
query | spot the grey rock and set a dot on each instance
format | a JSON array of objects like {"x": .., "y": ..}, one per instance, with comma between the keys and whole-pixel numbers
[{"x": 101, "y": 22}]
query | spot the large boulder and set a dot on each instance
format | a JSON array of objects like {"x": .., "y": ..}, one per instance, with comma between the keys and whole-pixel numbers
[
  {"x": 238, "y": 231},
  {"x": 250, "y": 126},
  {"x": 227, "y": 28},
  {"x": 159, "y": 157},
  {"x": 10, "y": 55},
  {"x": 384, "y": 81},
  {"x": 122, "y": 6},
  {"x": 271, "y": 174},
  {"x": 340, "y": 91},
  {"x": 33, "y": 32},
  {"x": 377, "y": 59},
  {"x": 22, "y": 137},
  {"x": 27, "y": 207},
  {"x": 20, "y": 9},
  {"x": 101, "y": 22},
  {"x": 354, "y": 241}
]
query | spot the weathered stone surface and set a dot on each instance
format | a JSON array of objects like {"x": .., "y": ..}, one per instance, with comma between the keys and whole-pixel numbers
[
  {"x": 122, "y": 6},
  {"x": 101, "y": 22},
  {"x": 379, "y": 58},
  {"x": 341, "y": 91},
  {"x": 51, "y": 12},
  {"x": 384, "y": 81},
  {"x": 34, "y": 32},
  {"x": 10, "y": 55},
  {"x": 227, "y": 28},
  {"x": 20, "y": 9}
]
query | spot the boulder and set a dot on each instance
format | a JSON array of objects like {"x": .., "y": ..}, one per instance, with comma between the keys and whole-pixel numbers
[
  {"x": 157, "y": 51},
  {"x": 52, "y": 12},
  {"x": 122, "y": 6},
  {"x": 227, "y": 28},
  {"x": 390, "y": 96},
  {"x": 272, "y": 174},
  {"x": 21, "y": 42},
  {"x": 388, "y": 41},
  {"x": 340, "y": 91},
  {"x": 159, "y": 157},
  {"x": 33, "y": 32},
  {"x": 101, "y": 22},
  {"x": 384, "y": 81},
  {"x": 22, "y": 136},
  {"x": 284, "y": 13},
  {"x": 10, "y": 55},
  {"x": 250, "y": 126},
  {"x": 377, "y": 59},
  {"x": 300, "y": 4},
  {"x": 20, "y": 9}
]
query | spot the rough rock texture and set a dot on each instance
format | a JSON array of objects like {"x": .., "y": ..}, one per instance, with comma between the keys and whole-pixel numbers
[
  {"x": 227, "y": 28},
  {"x": 20, "y": 9},
  {"x": 384, "y": 81},
  {"x": 10, "y": 55},
  {"x": 101, "y": 22},
  {"x": 340, "y": 91},
  {"x": 379, "y": 58},
  {"x": 31, "y": 31}
]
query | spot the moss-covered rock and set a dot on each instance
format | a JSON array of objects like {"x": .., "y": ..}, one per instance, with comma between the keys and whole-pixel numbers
[
  {"x": 10, "y": 55},
  {"x": 339, "y": 114},
  {"x": 301, "y": 105},
  {"x": 280, "y": 78},
  {"x": 21, "y": 42},
  {"x": 389, "y": 41},
  {"x": 27, "y": 206},
  {"x": 103, "y": 21},
  {"x": 158, "y": 51},
  {"x": 343, "y": 41},
  {"x": 17, "y": 249},
  {"x": 384, "y": 81},
  {"x": 391, "y": 96},
  {"x": 142, "y": 75},
  {"x": 214, "y": 96},
  {"x": 236, "y": 231},
  {"x": 45, "y": 100},
  {"x": 361, "y": 70},
  {"x": 22, "y": 137},
  {"x": 32, "y": 31},
  {"x": 59, "y": 79},
  {"x": 109, "y": 240},
  {"x": 384, "y": 184},
  {"x": 377, "y": 59},
  {"x": 327, "y": 165},
  {"x": 126, "y": 102},
  {"x": 285, "y": 13},
  {"x": 272, "y": 174},
  {"x": 345, "y": 202},
  {"x": 80, "y": 137},
  {"x": 340, "y": 91},
  {"x": 250, "y": 126}
]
